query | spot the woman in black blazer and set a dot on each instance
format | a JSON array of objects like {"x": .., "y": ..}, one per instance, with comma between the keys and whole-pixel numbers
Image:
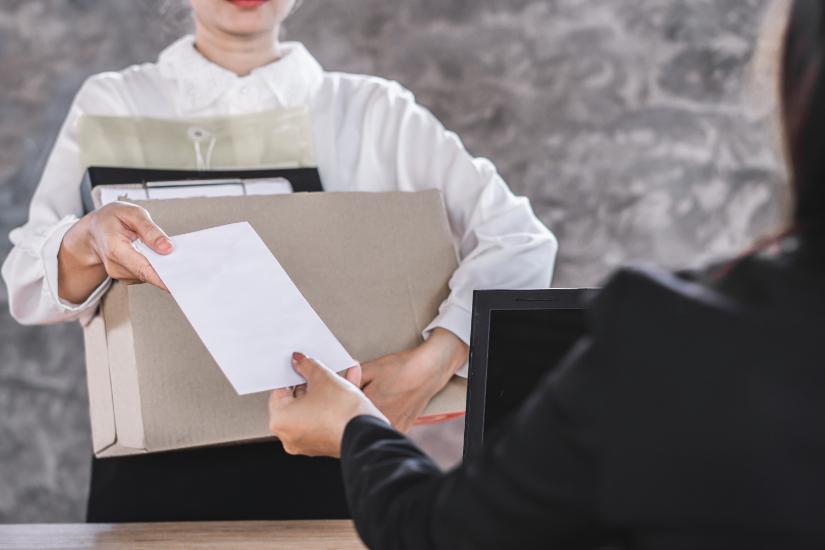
[{"x": 693, "y": 416}]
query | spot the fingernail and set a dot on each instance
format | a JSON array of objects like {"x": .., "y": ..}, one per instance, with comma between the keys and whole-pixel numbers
[
  {"x": 298, "y": 356},
  {"x": 164, "y": 245}
]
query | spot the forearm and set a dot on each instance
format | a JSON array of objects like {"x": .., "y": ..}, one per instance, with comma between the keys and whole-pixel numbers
[
  {"x": 513, "y": 250},
  {"x": 400, "y": 499},
  {"x": 533, "y": 485},
  {"x": 389, "y": 485},
  {"x": 30, "y": 273}
]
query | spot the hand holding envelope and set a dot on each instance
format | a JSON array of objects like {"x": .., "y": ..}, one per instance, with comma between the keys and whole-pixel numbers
[{"x": 244, "y": 307}]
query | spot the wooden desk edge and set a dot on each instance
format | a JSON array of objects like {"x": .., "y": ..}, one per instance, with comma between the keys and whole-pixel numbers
[{"x": 241, "y": 535}]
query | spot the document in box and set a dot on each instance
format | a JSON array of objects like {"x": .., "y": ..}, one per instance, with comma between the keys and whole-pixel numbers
[
  {"x": 185, "y": 189},
  {"x": 245, "y": 308}
]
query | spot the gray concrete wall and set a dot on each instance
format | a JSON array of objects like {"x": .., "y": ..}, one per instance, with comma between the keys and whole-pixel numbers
[{"x": 625, "y": 122}]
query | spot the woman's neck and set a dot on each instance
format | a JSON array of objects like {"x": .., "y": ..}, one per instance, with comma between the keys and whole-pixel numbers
[{"x": 239, "y": 54}]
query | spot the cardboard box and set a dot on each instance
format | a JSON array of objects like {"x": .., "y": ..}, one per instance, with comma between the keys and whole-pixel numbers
[{"x": 375, "y": 266}]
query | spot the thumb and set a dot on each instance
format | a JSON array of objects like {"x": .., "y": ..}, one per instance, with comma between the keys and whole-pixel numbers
[
  {"x": 307, "y": 367},
  {"x": 353, "y": 375}
]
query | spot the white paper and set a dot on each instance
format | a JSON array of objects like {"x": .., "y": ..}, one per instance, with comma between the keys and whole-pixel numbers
[
  {"x": 112, "y": 194},
  {"x": 271, "y": 186},
  {"x": 182, "y": 190},
  {"x": 187, "y": 191},
  {"x": 245, "y": 308}
]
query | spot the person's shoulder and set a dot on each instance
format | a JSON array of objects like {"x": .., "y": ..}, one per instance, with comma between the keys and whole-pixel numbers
[
  {"x": 373, "y": 90},
  {"x": 366, "y": 83},
  {"x": 642, "y": 277},
  {"x": 124, "y": 79},
  {"x": 110, "y": 91},
  {"x": 645, "y": 292}
]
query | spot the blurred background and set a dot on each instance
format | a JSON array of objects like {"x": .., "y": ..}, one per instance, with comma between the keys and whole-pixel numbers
[{"x": 632, "y": 125}]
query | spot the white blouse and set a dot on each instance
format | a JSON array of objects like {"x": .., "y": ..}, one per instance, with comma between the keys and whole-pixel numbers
[{"x": 369, "y": 134}]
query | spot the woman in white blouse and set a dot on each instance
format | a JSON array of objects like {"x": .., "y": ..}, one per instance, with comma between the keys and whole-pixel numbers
[{"x": 368, "y": 134}]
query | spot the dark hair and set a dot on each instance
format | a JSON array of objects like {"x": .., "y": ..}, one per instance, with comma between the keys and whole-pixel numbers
[{"x": 802, "y": 97}]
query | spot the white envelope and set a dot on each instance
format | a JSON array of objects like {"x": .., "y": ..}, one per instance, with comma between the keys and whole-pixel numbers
[{"x": 245, "y": 308}]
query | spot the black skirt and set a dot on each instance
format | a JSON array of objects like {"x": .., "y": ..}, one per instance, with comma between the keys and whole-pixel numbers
[{"x": 257, "y": 481}]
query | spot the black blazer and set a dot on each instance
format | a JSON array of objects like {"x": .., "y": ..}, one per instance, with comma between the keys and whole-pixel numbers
[{"x": 693, "y": 417}]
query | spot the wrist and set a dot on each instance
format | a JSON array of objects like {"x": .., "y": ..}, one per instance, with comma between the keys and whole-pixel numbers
[
  {"x": 364, "y": 409},
  {"x": 76, "y": 250},
  {"x": 445, "y": 352},
  {"x": 79, "y": 268}
]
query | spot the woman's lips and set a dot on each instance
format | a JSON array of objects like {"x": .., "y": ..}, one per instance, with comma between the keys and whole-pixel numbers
[{"x": 247, "y": 4}]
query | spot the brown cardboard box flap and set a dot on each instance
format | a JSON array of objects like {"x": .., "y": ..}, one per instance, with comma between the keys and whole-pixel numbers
[
  {"x": 375, "y": 266},
  {"x": 101, "y": 407}
]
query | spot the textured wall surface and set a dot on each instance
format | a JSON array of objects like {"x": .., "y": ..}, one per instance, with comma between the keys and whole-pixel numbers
[{"x": 625, "y": 121}]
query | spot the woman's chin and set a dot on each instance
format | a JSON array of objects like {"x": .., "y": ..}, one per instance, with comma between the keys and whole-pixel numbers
[
  {"x": 242, "y": 29},
  {"x": 249, "y": 17}
]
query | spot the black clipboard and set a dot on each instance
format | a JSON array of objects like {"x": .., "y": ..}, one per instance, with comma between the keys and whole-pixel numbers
[{"x": 301, "y": 179}]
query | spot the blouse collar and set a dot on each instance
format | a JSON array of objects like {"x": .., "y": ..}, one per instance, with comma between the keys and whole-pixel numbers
[{"x": 293, "y": 78}]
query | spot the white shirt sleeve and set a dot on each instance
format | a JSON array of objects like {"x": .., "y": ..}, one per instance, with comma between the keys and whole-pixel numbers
[
  {"x": 30, "y": 270},
  {"x": 501, "y": 243}
]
